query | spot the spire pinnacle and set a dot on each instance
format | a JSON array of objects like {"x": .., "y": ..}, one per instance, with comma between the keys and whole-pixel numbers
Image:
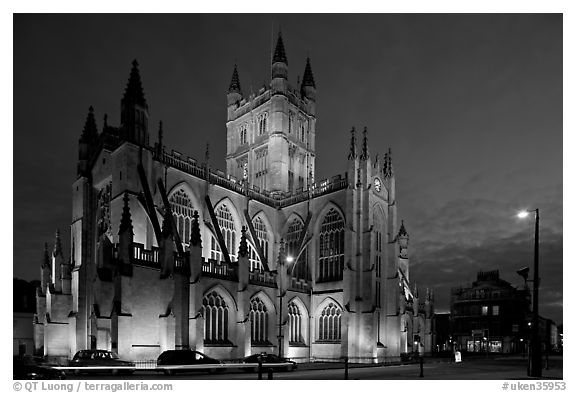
[
  {"x": 279, "y": 52},
  {"x": 235, "y": 82},
  {"x": 90, "y": 131},
  {"x": 195, "y": 238},
  {"x": 364, "y": 154},
  {"x": 126, "y": 220},
  {"x": 388, "y": 164},
  {"x": 352, "y": 153},
  {"x": 243, "y": 249},
  {"x": 46, "y": 259},
  {"x": 402, "y": 231},
  {"x": 134, "y": 92},
  {"x": 308, "y": 78},
  {"x": 57, "y": 244}
]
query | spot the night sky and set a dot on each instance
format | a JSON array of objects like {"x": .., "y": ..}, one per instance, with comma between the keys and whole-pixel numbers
[{"x": 471, "y": 106}]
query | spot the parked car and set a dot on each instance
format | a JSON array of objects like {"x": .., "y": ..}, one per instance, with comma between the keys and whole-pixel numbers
[
  {"x": 185, "y": 357},
  {"x": 28, "y": 367},
  {"x": 106, "y": 361},
  {"x": 267, "y": 359}
]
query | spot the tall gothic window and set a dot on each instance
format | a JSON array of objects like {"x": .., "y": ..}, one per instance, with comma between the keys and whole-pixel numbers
[
  {"x": 255, "y": 262},
  {"x": 215, "y": 312},
  {"x": 261, "y": 234},
  {"x": 295, "y": 229},
  {"x": 182, "y": 210},
  {"x": 261, "y": 168},
  {"x": 227, "y": 227},
  {"x": 258, "y": 322},
  {"x": 331, "y": 260},
  {"x": 262, "y": 123},
  {"x": 295, "y": 322},
  {"x": 329, "y": 323},
  {"x": 243, "y": 134},
  {"x": 290, "y": 122}
]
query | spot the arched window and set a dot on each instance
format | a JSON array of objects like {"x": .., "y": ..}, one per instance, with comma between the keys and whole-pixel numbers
[
  {"x": 263, "y": 123},
  {"x": 295, "y": 229},
  {"x": 290, "y": 122},
  {"x": 228, "y": 229},
  {"x": 215, "y": 312},
  {"x": 243, "y": 134},
  {"x": 261, "y": 234},
  {"x": 258, "y": 322},
  {"x": 182, "y": 211},
  {"x": 295, "y": 322},
  {"x": 329, "y": 323},
  {"x": 331, "y": 260},
  {"x": 255, "y": 262}
]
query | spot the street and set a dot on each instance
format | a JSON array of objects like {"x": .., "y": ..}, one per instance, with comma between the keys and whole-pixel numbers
[{"x": 501, "y": 368}]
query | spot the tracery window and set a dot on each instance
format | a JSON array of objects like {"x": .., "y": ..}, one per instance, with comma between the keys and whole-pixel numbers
[
  {"x": 263, "y": 123},
  {"x": 215, "y": 312},
  {"x": 243, "y": 134},
  {"x": 329, "y": 323},
  {"x": 182, "y": 211},
  {"x": 227, "y": 227},
  {"x": 300, "y": 269},
  {"x": 262, "y": 238},
  {"x": 258, "y": 322},
  {"x": 331, "y": 260},
  {"x": 295, "y": 322}
]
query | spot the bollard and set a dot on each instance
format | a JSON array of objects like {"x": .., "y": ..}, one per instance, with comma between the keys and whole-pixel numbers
[
  {"x": 346, "y": 367},
  {"x": 259, "y": 368},
  {"x": 270, "y": 373},
  {"x": 421, "y": 366}
]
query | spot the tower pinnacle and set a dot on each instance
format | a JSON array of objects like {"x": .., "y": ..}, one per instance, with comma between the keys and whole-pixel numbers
[
  {"x": 235, "y": 82},
  {"x": 364, "y": 154},
  {"x": 126, "y": 220},
  {"x": 279, "y": 52},
  {"x": 352, "y": 153}
]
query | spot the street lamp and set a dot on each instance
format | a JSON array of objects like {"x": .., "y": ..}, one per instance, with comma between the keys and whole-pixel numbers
[
  {"x": 535, "y": 360},
  {"x": 284, "y": 262}
]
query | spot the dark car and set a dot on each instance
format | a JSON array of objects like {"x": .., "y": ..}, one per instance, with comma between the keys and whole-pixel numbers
[
  {"x": 184, "y": 358},
  {"x": 27, "y": 367},
  {"x": 269, "y": 361},
  {"x": 99, "y": 360}
]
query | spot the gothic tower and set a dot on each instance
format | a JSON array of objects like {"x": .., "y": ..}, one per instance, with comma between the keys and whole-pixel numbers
[{"x": 271, "y": 133}]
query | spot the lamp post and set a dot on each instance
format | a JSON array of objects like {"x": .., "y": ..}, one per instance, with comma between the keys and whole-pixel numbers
[
  {"x": 535, "y": 350},
  {"x": 284, "y": 262}
]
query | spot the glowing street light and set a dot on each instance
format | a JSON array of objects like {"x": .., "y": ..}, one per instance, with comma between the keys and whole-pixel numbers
[{"x": 535, "y": 369}]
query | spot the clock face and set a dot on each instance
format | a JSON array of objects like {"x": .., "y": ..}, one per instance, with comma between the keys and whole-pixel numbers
[{"x": 377, "y": 185}]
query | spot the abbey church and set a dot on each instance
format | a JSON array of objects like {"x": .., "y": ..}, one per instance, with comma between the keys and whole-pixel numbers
[{"x": 170, "y": 253}]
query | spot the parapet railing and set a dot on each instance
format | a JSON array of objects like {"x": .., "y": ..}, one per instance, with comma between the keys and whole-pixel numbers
[
  {"x": 262, "y": 278},
  {"x": 275, "y": 199},
  {"x": 218, "y": 269}
]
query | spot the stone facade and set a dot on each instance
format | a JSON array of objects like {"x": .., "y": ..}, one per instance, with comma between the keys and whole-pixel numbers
[{"x": 170, "y": 253}]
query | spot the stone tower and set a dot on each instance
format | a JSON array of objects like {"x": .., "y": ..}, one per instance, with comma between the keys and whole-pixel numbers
[{"x": 271, "y": 133}]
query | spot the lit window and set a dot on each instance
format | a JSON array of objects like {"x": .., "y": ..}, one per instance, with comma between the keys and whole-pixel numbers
[
  {"x": 484, "y": 310},
  {"x": 182, "y": 210},
  {"x": 262, "y": 123},
  {"x": 495, "y": 310},
  {"x": 300, "y": 269},
  {"x": 215, "y": 312},
  {"x": 226, "y": 223},
  {"x": 295, "y": 319},
  {"x": 258, "y": 322},
  {"x": 331, "y": 260},
  {"x": 329, "y": 323}
]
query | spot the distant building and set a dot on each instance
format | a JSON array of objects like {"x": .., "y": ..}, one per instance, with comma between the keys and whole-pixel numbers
[
  {"x": 490, "y": 315},
  {"x": 441, "y": 335},
  {"x": 24, "y": 307}
]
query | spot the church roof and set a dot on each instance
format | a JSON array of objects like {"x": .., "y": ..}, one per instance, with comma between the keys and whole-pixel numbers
[
  {"x": 279, "y": 52},
  {"x": 235, "y": 82},
  {"x": 134, "y": 92},
  {"x": 308, "y": 78}
]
